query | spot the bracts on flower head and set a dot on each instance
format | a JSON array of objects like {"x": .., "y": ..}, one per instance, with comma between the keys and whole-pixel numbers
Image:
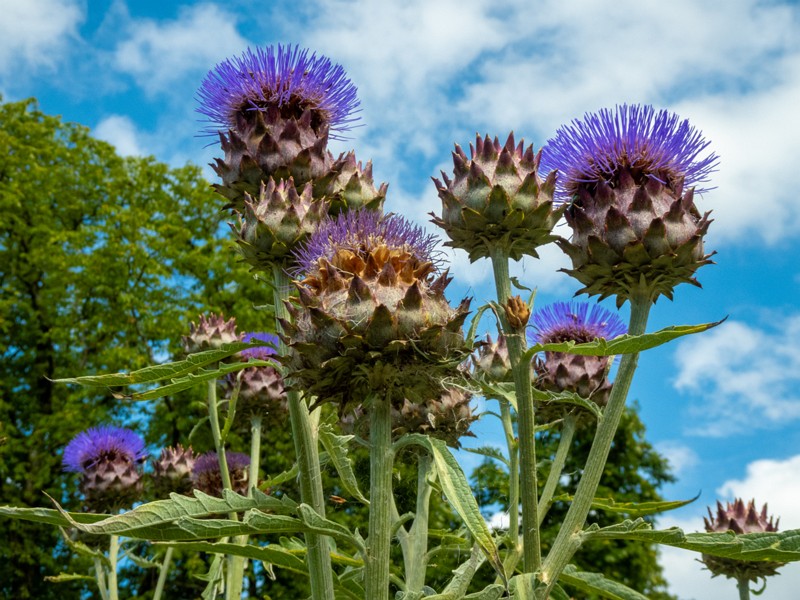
[
  {"x": 172, "y": 471},
  {"x": 109, "y": 460},
  {"x": 497, "y": 199},
  {"x": 210, "y": 332},
  {"x": 371, "y": 314},
  {"x": 261, "y": 388},
  {"x": 207, "y": 476},
  {"x": 627, "y": 177},
  {"x": 740, "y": 519},
  {"x": 586, "y": 376}
]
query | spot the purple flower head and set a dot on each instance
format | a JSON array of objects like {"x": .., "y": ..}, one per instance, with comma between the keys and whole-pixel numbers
[
  {"x": 647, "y": 143},
  {"x": 362, "y": 231},
  {"x": 102, "y": 443},
  {"x": 286, "y": 77},
  {"x": 564, "y": 321},
  {"x": 208, "y": 463},
  {"x": 262, "y": 352}
]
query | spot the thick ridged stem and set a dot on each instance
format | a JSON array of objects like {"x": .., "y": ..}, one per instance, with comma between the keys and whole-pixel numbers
[
  {"x": 526, "y": 422},
  {"x": 305, "y": 445},
  {"x": 568, "y": 539},
  {"x": 113, "y": 555},
  {"x": 100, "y": 576},
  {"x": 381, "y": 460},
  {"x": 743, "y": 585},
  {"x": 559, "y": 460},
  {"x": 513, "y": 472},
  {"x": 418, "y": 536},
  {"x": 255, "y": 453},
  {"x": 163, "y": 571}
]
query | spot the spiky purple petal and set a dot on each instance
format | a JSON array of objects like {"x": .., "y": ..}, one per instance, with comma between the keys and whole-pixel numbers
[
  {"x": 274, "y": 76},
  {"x": 263, "y": 352},
  {"x": 657, "y": 144},
  {"x": 97, "y": 443},
  {"x": 365, "y": 230},
  {"x": 563, "y": 321}
]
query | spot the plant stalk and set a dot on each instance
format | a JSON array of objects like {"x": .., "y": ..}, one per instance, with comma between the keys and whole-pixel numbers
[
  {"x": 557, "y": 468},
  {"x": 113, "y": 555},
  {"x": 416, "y": 564},
  {"x": 526, "y": 421},
  {"x": 381, "y": 459},
  {"x": 163, "y": 571},
  {"x": 568, "y": 539},
  {"x": 305, "y": 444},
  {"x": 743, "y": 585},
  {"x": 513, "y": 472}
]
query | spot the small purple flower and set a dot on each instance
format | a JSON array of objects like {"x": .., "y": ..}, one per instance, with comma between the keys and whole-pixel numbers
[
  {"x": 209, "y": 462},
  {"x": 647, "y": 143},
  {"x": 206, "y": 474},
  {"x": 365, "y": 230},
  {"x": 262, "y": 352},
  {"x": 99, "y": 444},
  {"x": 286, "y": 77},
  {"x": 564, "y": 321}
]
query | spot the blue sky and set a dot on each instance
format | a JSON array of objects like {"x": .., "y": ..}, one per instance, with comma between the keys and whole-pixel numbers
[{"x": 724, "y": 406}]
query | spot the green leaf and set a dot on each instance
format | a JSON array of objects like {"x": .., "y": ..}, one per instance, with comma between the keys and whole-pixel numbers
[
  {"x": 143, "y": 563},
  {"x": 633, "y": 509},
  {"x": 624, "y": 344},
  {"x": 459, "y": 494},
  {"x": 515, "y": 282},
  {"x": 489, "y": 451},
  {"x": 782, "y": 546},
  {"x": 462, "y": 577},
  {"x": 491, "y": 592},
  {"x": 170, "y": 370},
  {"x": 473, "y": 328},
  {"x": 521, "y": 586},
  {"x": 214, "y": 578},
  {"x": 318, "y": 524},
  {"x": 49, "y": 516},
  {"x": 568, "y": 398},
  {"x": 272, "y": 554},
  {"x": 65, "y": 577},
  {"x": 280, "y": 478},
  {"x": 336, "y": 446},
  {"x": 597, "y": 584}
]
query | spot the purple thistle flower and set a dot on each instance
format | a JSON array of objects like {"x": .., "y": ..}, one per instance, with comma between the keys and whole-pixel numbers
[
  {"x": 649, "y": 144},
  {"x": 98, "y": 444},
  {"x": 564, "y": 321},
  {"x": 262, "y": 352},
  {"x": 286, "y": 77},
  {"x": 207, "y": 477},
  {"x": 209, "y": 462},
  {"x": 361, "y": 231}
]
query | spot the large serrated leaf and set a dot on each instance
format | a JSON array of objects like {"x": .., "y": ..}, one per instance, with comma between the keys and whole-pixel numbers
[
  {"x": 632, "y": 509},
  {"x": 51, "y": 516},
  {"x": 597, "y": 584},
  {"x": 157, "y": 373},
  {"x": 336, "y": 446},
  {"x": 569, "y": 398},
  {"x": 490, "y": 452},
  {"x": 782, "y": 546},
  {"x": 624, "y": 344},
  {"x": 272, "y": 554},
  {"x": 459, "y": 494}
]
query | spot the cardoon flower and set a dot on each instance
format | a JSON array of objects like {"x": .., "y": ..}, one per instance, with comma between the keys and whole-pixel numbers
[
  {"x": 109, "y": 459},
  {"x": 628, "y": 176},
  {"x": 274, "y": 109},
  {"x": 207, "y": 477},
  {"x": 492, "y": 359},
  {"x": 586, "y": 376},
  {"x": 210, "y": 333},
  {"x": 497, "y": 199},
  {"x": 261, "y": 388},
  {"x": 372, "y": 313},
  {"x": 172, "y": 471},
  {"x": 740, "y": 519}
]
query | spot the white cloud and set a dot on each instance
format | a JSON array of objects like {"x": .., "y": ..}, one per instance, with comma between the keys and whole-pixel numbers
[
  {"x": 158, "y": 54},
  {"x": 120, "y": 131},
  {"x": 743, "y": 377},
  {"x": 776, "y": 482},
  {"x": 35, "y": 33},
  {"x": 681, "y": 457}
]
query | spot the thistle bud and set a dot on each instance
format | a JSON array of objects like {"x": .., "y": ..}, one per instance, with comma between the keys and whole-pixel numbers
[
  {"x": 210, "y": 333},
  {"x": 109, "y": 460},
  {"x": 492, "y": 359},
  {"x": 628, "y": 177},
  {"x": 517, "y": 313},
  {"x": 207, "y": 476},
  {"x": 261, "y": 389},
  {"x": 172, "y": 471},
  {"x": 740, "y": 519},
  {"x": 497, "y": 199},
  {"x": 586, "y": 376}
]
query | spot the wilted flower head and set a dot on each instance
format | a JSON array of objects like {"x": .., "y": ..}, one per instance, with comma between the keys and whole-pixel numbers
[
  {"x": 740, "y": 519},
  {"x": 627, "y": 175},
  {"x": 210, "y": 333},
  {"x": 372, "y": 311},
  {"x": 207, "y": 477},
  {"x": 286, "y": 78},
  {"x": 108, "y": 459},
  {"x": 587, "y": 376}
]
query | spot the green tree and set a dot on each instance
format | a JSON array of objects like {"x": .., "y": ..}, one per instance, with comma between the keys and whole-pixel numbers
[
  {"x": 634, "y": 473},
  {"x": 103, "y": 261}
]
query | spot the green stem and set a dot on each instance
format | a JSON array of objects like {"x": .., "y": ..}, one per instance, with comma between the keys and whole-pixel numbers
[
  {"x": 381, "y": 459},
  {"x": 163, "y": 571},
  {"x": 219, "y": 446},
  {"x": 560, "y": 459},
  {"x": 255, "y": 453},
  {"x": 526, "y": 421},
  {"x": 568, "y": 539},
  {"x": 305, "y": 444},
  {"x": 100, "y": 576},
  {"x": 743, "y": 585},
  {"x": 513, "y": 472},
  {"x": 113, "y": 555},
  {"x": 416, "y": 565}
]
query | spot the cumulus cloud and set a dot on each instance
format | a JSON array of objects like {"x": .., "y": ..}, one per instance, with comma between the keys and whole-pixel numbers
[
  {"x": 681, "y": 457},
  {"x": 738, "y": 365},
  {"x": 120, "y": 132},
  {"x": 35, "y": 34},
  {"x": 159, "y": 53}
]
